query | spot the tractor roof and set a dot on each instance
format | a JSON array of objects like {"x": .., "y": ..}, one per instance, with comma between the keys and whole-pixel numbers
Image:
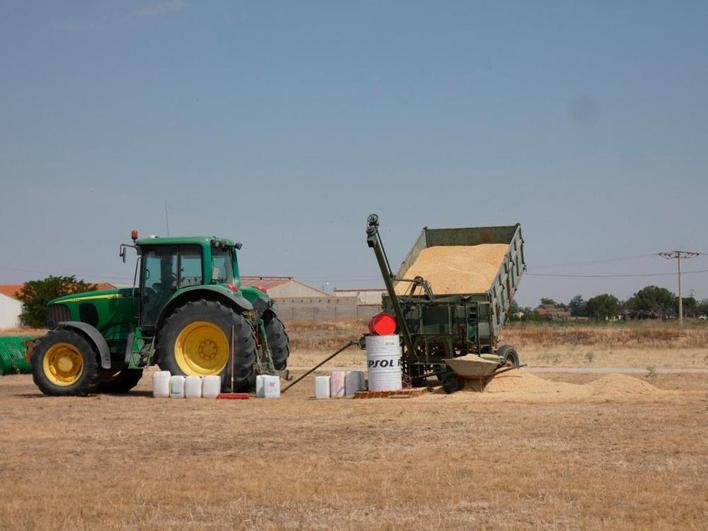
[{"x": 184, "y": 240}]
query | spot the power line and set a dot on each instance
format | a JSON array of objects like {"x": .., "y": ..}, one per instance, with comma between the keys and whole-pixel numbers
[
  {"x": 599, "y": 261},
  {"x": 628, "y": 275},
  {"x": 678, "y": 255}
]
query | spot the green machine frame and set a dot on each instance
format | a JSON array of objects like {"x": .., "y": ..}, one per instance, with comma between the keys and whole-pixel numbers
[{"x": 434, "y": 328}]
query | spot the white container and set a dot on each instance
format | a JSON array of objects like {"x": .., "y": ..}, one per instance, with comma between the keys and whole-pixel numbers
[
  {"x": 271, "y": 386},
  {"x": 211, "y": 386},
  {"x": 176, "y": 386},
  {"x": 192, "y": 387},
  {"x": 321, "y": 387},
  {"x": 260, "y": 386},
  {"x": 161, "y": 384},
  {"x": 354, "y": 381},
  {"x": 383, "y": 354},
  {"x": 336, "y": 384}
]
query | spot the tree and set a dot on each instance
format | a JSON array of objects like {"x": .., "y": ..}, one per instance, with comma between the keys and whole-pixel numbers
[
  {"x": 514, "y": 307},
  {"x": 690, "y": 306},
  {"x": 603, "y": 307},
  {"x": 702, "y": 308},
  {"x": 578, "y": 306},
  {"x": 547, "y": 302},
  {"x": 36, "y": 294},
  {"x": 652, "y": 302}
]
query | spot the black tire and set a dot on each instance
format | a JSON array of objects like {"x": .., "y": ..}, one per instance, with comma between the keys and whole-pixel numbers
[
  {"x": 86, "y": 382},
  {"x": 278, "y": 341},
  {"x": 451, "y": 383},
  {"x": 511, "y": 357},
  {"x": 223, "y": 317},
  {"x": 122, "y": 381}
]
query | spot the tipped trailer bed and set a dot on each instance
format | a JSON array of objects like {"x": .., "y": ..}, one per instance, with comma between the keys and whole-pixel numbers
[{"x": 438, "y": 324}]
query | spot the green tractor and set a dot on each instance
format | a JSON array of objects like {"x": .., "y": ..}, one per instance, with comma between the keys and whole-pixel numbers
[{"x": 187, "y": 311}]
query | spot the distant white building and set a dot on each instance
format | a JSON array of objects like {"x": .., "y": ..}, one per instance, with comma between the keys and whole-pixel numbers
[
  {"x": 364, "y": 296},
  {"x": 282, "y": 287},
  {"x": 10, "y": 306}
]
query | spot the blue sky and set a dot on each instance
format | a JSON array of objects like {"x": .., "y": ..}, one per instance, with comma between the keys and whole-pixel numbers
[{"x": 283, "y": 124}]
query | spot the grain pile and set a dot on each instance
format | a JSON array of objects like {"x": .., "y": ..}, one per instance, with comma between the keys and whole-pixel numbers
[
  {"x": 456, "y": 269},
  {"x": 618, "y": 385},
  {"x": 526, "y": 386}
]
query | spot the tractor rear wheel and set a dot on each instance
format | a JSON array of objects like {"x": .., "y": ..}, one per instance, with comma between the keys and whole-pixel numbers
[
  {"x": 511, "y": 357},
  {"x": 64, "y": 363},
  {"x": 196, "y": 341},
  {"x": 118, "y": 381},
  {"x": 278, "y": 341}
]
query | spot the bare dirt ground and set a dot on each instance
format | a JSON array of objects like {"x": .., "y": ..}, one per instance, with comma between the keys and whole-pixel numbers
[{"x": 552, "y": 451}]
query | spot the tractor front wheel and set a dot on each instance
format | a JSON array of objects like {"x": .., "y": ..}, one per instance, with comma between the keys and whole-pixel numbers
[
  {"x": 196, "y": 341},
  {"x": 64, "y": 363}
]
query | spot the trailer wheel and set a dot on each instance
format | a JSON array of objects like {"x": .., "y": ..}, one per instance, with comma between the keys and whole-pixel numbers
[
  {"x": 196, "y": 341},
  {"x": 451, "y": 383},
  {"x": 65, "y": 364},
  {"x": 120, "y": 381},
  {"x": 511, "y": 357},
  {"x": 278, "y": 341}
]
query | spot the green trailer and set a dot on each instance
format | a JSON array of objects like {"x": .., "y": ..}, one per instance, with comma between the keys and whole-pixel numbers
[
  {"x": 12, "y": 355},
  {"x": 439, "y": 327}
]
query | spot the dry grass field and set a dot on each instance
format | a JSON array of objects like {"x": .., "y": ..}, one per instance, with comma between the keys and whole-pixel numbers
[
  {"x": 638, "y": 345},
  {"x": 566, "y": 451}
]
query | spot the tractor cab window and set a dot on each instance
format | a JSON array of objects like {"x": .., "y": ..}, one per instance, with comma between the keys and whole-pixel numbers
[
  {"x": 190, "y": 266},
  {"x": 222, "y": 265},
  {"x": 159, "y": 280},
  {"x": 166, "y": 268}
]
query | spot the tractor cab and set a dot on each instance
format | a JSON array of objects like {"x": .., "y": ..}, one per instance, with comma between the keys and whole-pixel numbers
[{"x": 168, "y": 265}]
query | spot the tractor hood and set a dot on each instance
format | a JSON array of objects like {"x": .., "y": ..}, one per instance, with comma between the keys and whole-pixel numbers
[{"x": 92, "y": 295}]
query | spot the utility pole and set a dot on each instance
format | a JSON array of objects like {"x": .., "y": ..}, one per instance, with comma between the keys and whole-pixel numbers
[{"x": 678, "y": 255}]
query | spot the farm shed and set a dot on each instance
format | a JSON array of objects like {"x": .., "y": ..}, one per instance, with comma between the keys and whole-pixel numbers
[
  {"x": 364, "y": 296},
  {"x": 282, "y": 287},
  {"x": 551, "y": 312}
]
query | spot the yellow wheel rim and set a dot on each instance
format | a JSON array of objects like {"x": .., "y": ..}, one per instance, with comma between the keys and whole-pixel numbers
[
  {"x": 63, "y": 364},
  {"x": 201, "y": 349}
]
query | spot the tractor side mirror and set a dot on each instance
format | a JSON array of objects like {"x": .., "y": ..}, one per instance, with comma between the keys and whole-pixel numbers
[
  {"x": 121, "y": 253},
  {"x": 238, "y": 245}
]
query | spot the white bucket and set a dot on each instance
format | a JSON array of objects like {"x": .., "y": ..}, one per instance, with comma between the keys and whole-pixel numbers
[
  {"x": 161, "y": 384},
  {"x": 383, "y": 355},
  {"x": 211, "y": 386},
  {"x": 321, "y": 387},
  {"x": 336, "y": 384},
  {"x": 354, "y": 381},
  {"x": 192, "y": 387},
  {"x": 177, "y": 386}
]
